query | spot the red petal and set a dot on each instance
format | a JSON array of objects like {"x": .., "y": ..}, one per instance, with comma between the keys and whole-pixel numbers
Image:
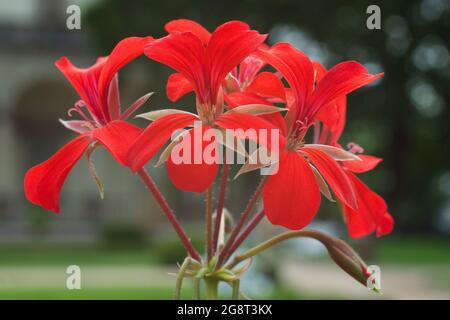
[
  {"x": 268, "y": 85},
  {"x": 386, "y": 225},
  {"x": 125, "y": 51},
  {"x": 296, "y": 68},
  {"x": 183, "y": 52},
  {"x": 253, "y": 124},
  {"x": 291, "y": 197},
  {"x": 191, "y": 176},
  {"x": 155, "y": 136},
  {"x": 236, "y": 99},
  {"x": 177, "y": 86},
  {"x": 85, "y": 82},
  {"x": 44, "y": 182},
  {"x": 320, "y": 71},
  {"x": 117, "y": 137},
  {"x": 335, "y": 176},
  {"x": 185, "y": 25},
  {"x": 342, "y": 79},
  {"x": 250, "y": 66},
  {"x": 206, "y": 68},
  {"x": 333, "y": 116},
  {"x": 230, "y": 43},
  {"x": 371, "y": 212},
  {"x": 367, "y": 163}
]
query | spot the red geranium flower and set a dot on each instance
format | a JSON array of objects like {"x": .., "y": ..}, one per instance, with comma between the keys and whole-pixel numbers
[
  {"x": 292, "y": 196},
  {"x": 203, "y": 61},
  {"x": 372, "y": 214},
  {"x": 102, "y": 121}
]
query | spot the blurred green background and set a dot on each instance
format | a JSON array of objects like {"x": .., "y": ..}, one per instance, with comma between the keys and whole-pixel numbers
[{"x": 123, "y": 245}]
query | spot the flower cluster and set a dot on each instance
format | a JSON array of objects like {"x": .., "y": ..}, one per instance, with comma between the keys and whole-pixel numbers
[{"x": 240, "y": 84}]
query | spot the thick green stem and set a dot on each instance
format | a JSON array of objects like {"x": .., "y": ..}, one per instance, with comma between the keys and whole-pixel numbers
[
  {"x": 236, "y": 286},
  {"x": 212, "y": 288}
]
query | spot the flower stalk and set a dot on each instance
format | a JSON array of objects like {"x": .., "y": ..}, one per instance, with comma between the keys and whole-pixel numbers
[
  {"x": 162, "y": 202},
  {"x": 220, "y": 204},
  {"x": 226, "y": 251}
]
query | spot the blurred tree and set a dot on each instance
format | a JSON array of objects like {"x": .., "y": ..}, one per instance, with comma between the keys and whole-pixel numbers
[{"x": 404, "y": 119}]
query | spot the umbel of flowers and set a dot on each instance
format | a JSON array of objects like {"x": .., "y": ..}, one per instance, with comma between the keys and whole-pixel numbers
[{"x": 244, "y": 88}]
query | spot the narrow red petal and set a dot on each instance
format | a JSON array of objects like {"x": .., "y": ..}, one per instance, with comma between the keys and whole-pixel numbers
[
  {"x": 177, "y": 86},
  {"x": 296, "y": 68},
  {"x": 185, "y": 25},
  {"x": 43, "y": 182},
  {"x": 125, "y": 51},
  {"x": 183, "y": 52},
  {"x": 84, "y": 81},
  {"x": 335, "y": 176},
  {"x": 367, "y": 163},
  {"x": 371, "y": 213},
  {"x": 291, "y": 197},
  {"x": 155, "y": 136},
  {"x": 386, "y": 225},
  {"x": 117, "y": 137},
  {"x": 340, "y": 80},
  {"x": 268, "y": 85},
  {"x": 193, "y": 174},
  {"x": 229, "y": 45}
]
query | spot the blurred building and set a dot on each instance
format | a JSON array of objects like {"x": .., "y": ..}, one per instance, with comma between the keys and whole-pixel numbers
[{"x": 33, "y": 96}]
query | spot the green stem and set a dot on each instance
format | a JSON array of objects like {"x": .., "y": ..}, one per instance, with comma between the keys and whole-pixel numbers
[
  {"x": 236, "y": 286},
  {"x": 180, "y": 277},
  {"x": 212, "y": 288},
  {"x": 196, "y": 288},
  {"x": 273, "y": 241}
]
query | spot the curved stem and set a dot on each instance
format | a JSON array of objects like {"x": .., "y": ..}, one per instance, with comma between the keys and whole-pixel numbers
[
  {"x": 162, "y": 202},
  {"x": 226, "y": 251},
  {"x": 180, "y": 277},
  {"x": 220, "y": 204},
  {"x": 208, "y": 223},
  {"x": 246, "y": 232},
  {"x": 196, "y": 288},
  {"x": 273, "y": 241}
]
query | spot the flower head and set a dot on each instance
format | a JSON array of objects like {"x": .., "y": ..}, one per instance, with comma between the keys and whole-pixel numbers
[{"x": 101, "y": 122}]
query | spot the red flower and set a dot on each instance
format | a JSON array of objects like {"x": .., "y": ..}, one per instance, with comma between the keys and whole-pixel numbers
[
  {"x": 291, "y": 196},
  {"x": 203, "y": 61},
  {"x": 372, "y": 214},
  {"x": 102, "y": 121},
  {"x": 245, "y": 79}
]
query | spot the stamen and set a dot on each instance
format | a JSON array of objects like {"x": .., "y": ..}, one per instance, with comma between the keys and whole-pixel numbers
[{"x": 354, "y": 148}]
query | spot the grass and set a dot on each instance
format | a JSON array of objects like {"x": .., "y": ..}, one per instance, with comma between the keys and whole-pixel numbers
[
  {"x": 418, "y": 251},
  {"x": 133, "y": 294},
  {"x": 67, "y": 255},
  {"x": 413, "y": 250}
]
